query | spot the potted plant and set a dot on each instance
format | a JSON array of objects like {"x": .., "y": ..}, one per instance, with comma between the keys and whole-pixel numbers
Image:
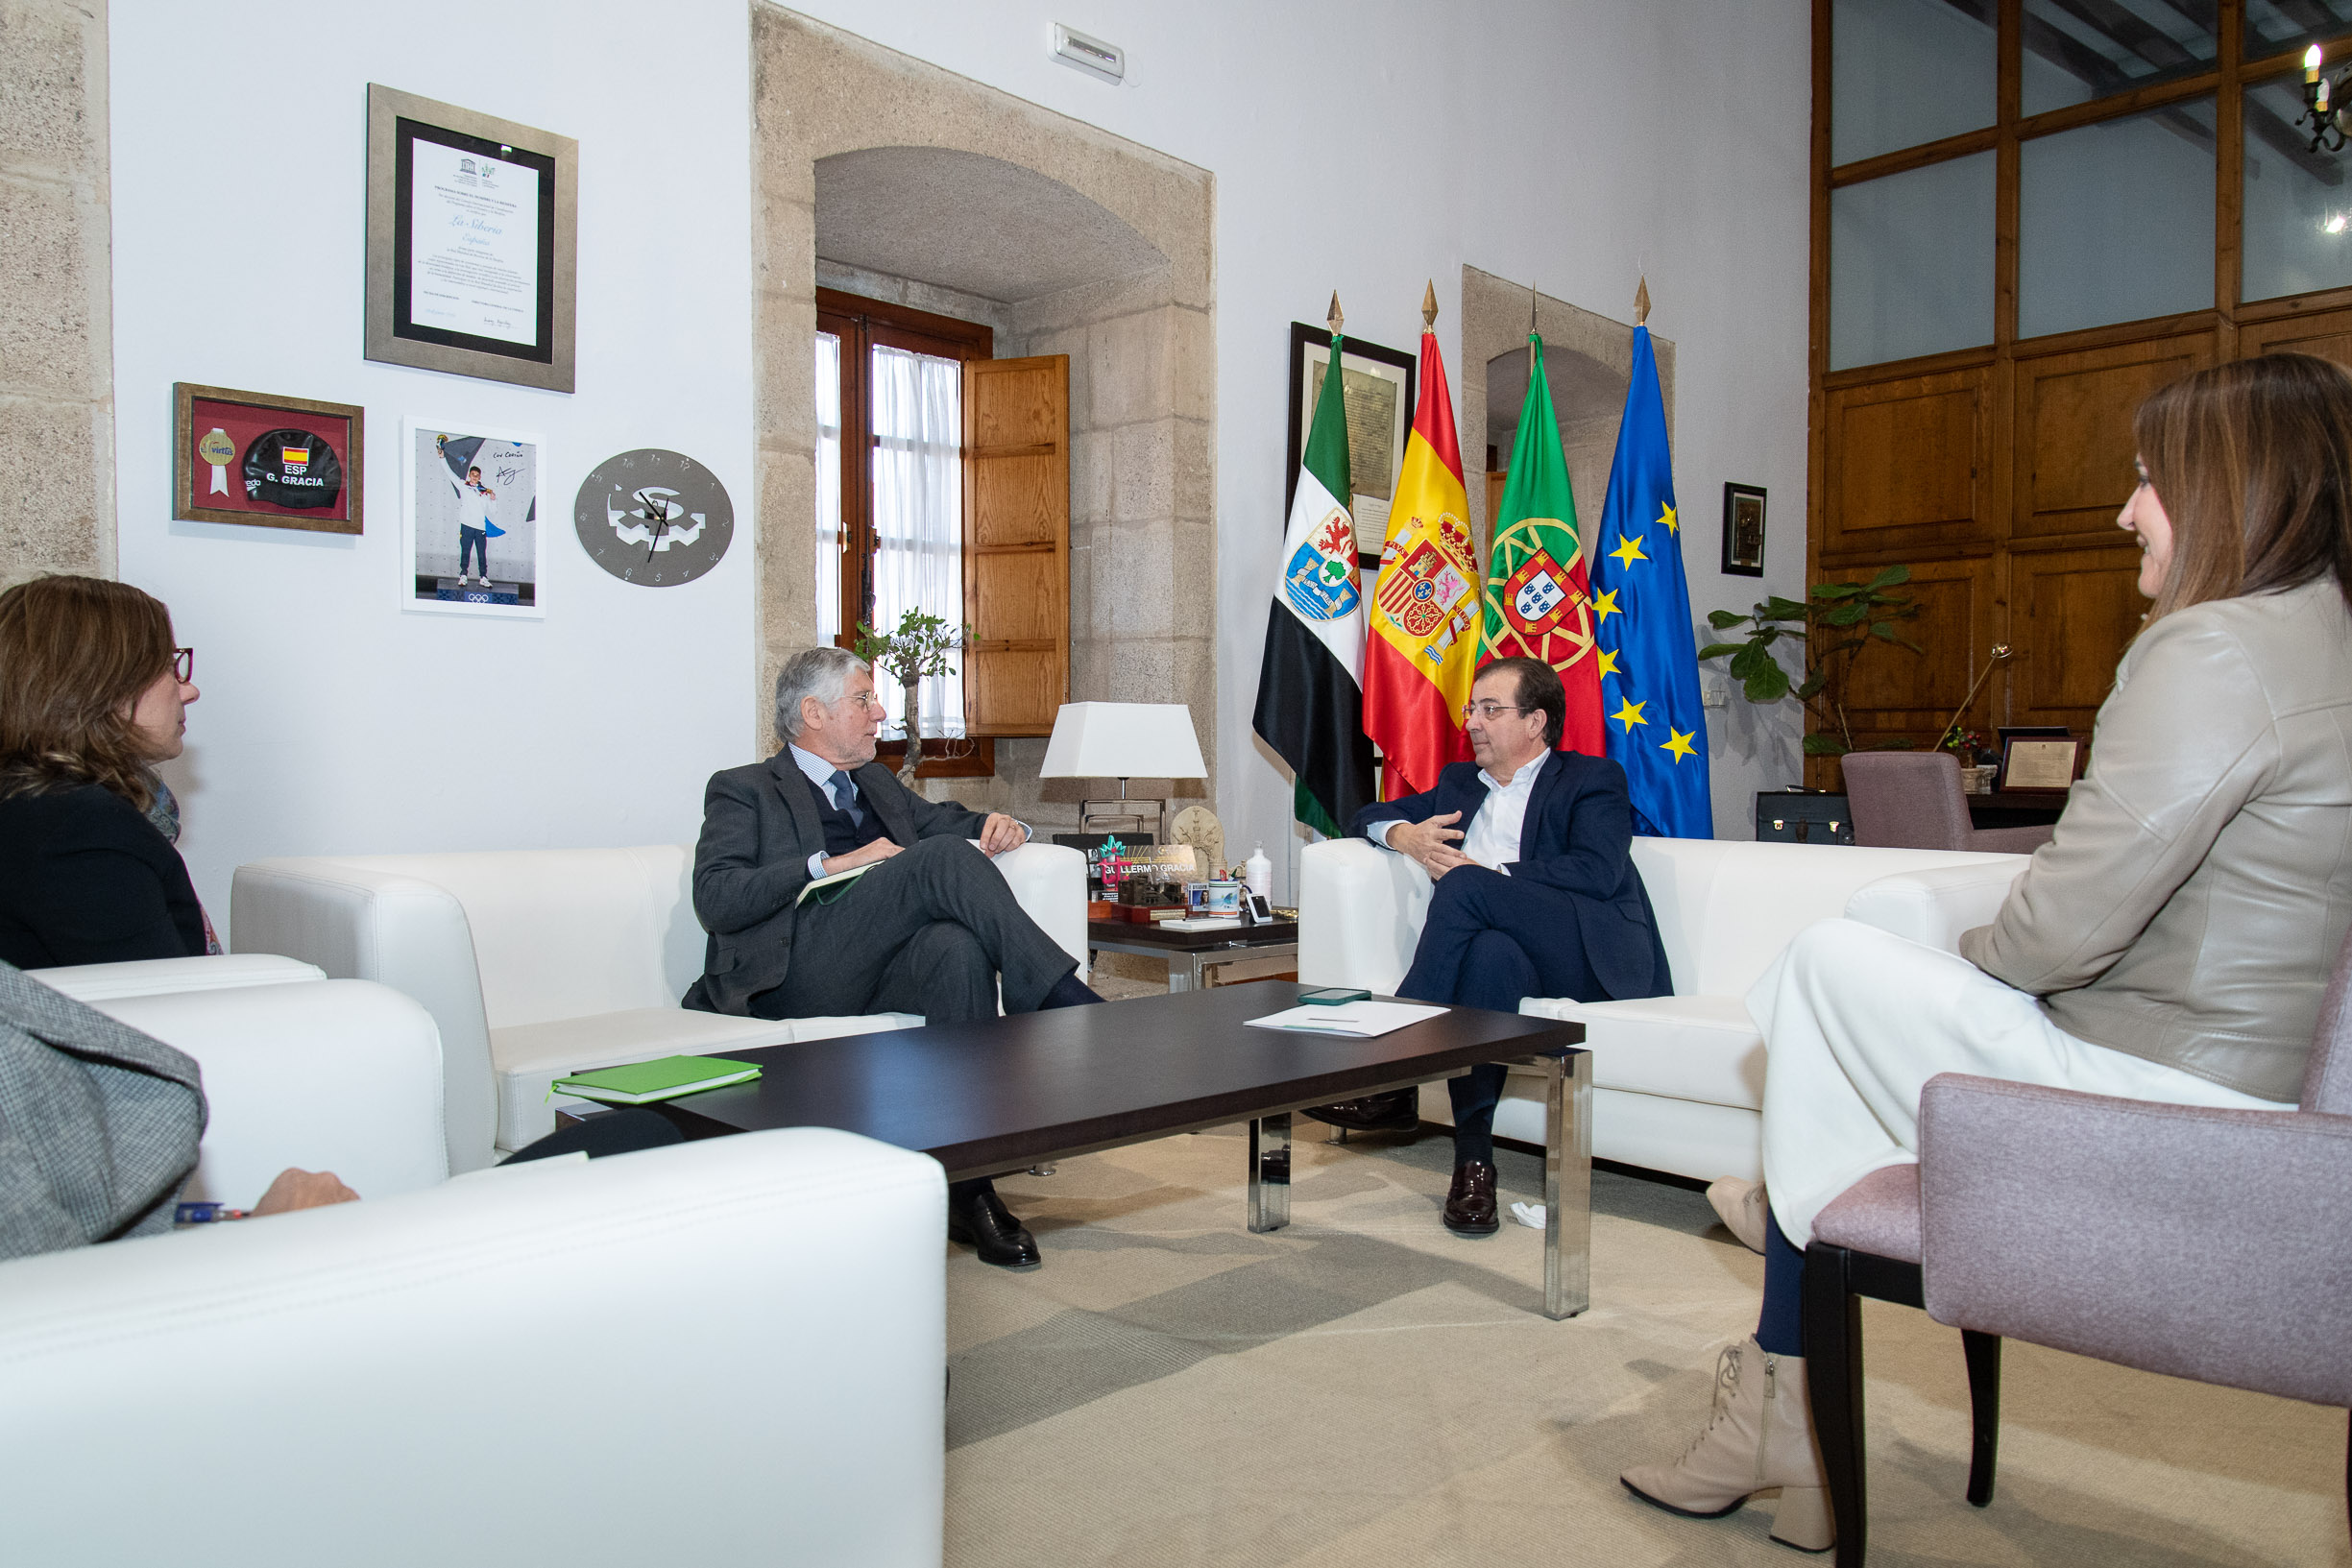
[
  {"x": 1835, "y": 623},
  {"x": 917, "y": 648}
]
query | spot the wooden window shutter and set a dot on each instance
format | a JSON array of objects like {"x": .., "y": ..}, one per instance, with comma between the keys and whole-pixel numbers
[{"x": 1016, "y": 543}]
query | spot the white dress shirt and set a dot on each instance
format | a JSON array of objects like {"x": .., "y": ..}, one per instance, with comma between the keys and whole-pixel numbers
[
  {"x": 1491, "y": 837},
  {"x": 821, "y": 774}
]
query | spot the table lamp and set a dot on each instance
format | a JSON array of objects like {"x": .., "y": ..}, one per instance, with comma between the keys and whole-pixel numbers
[{"x": 1123, "y": 741}]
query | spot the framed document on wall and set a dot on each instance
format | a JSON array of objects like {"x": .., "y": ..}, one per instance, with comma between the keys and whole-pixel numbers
[
  {"x": 472, "y": 242},
  {"x": 1379, "y": 390}
]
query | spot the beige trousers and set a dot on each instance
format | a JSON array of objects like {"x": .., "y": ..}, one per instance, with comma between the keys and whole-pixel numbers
[{"x": 1856, "y": 1022}]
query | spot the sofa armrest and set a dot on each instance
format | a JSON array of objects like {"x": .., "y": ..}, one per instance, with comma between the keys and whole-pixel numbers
[
  {"x": 1360, "y": 912},
  {"x": 750, "y": 1328},
  {"x": 2194, "y": 1240},
  {"x": 152, "y": 977},
  {"x": 341, "y": 1075},
  {"x": 1933, "y": 907},
  {"x": 360, "y": 923},
  {"x": 1050, "y": 881}
]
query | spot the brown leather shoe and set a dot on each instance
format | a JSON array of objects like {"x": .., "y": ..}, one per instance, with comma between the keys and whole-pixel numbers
[
  {"x": 1397, "y": 1111},
  {"x": 1469, "y": 1206}
]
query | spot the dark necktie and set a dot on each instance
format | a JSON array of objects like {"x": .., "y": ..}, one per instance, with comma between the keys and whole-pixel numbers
[{"x": 845, "y": 797}]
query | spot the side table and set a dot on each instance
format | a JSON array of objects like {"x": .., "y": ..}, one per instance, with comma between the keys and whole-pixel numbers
[{"x": 1189, "y": 953}]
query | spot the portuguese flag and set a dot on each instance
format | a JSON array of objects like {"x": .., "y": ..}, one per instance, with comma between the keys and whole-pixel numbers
[
  {"x": 1538, "y": 600},
  {"x": 1420, "y": 655},
  {"x": 1310, "y": 705}
]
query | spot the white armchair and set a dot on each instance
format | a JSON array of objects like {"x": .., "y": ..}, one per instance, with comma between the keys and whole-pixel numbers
[
  {"x": 537, "y": 963},
  {"x": 1677, "y": 1080},
  {"x": 727, "y": 1351}
]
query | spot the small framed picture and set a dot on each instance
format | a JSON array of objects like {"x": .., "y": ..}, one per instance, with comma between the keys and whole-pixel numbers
[
  {"x": 271, "y": 461},
  {"x": 1377, "y": 384},
  {"x": 2040, "y": 759},
  {"x": 1743, "y": 530},
  {"x": 470, "y": 537}
]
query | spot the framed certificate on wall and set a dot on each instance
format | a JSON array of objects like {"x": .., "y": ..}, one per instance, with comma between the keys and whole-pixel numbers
[{"x": 472, "y": 242}]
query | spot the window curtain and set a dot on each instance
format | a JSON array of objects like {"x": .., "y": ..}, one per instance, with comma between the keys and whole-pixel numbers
[
  {"x": 827, "y": 487},
  {"x": 918, "y": 517}
]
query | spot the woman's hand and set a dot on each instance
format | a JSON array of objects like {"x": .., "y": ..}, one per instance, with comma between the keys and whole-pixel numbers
[{"x": 304, "y": 1190}]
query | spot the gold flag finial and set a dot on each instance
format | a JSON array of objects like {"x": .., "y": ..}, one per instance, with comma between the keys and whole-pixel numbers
[
  {"x": 1335, "y": 317},
  {"x": 1531, "y": 307},
  {"x": 1641, "y": 303},
  {"x": 1429, "y": 306}
]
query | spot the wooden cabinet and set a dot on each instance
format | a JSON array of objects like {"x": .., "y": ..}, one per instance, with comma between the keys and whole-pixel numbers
[
  {"x": 1016, "y": 532},
  {"x": 1909, "y": 460},
  {"x": 1894, "y": 692},
  {"x": 2071, "y": 613},
  {"x": 2073, "y": 432}
]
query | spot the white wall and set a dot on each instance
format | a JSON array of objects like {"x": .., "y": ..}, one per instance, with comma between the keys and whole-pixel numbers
[
  {"x": 331, "y": 721},
  {"x": 1367, "y": 147}
]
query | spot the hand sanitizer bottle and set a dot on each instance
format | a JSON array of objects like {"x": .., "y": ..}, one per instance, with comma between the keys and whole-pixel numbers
[{"x": 1259, "y": 871}]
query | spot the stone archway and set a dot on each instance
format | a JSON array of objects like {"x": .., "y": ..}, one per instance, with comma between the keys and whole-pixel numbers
[{"x": 1086, "y": 244}]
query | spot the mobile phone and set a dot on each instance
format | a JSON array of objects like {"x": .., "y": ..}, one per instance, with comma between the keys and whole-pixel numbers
[{"x": 1331, "y": 996}]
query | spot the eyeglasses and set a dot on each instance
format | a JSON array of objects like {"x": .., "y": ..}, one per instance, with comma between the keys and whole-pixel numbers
[
  {"x": 865, "y": 699},
  {"x": 184, "y": 665},
  {"x": 1487, "y": 710}
]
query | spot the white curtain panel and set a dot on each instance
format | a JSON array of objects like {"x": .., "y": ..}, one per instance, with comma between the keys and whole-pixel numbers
[
  {"x": 918, "y": 516},
  {"x": 827, "y": 487}
]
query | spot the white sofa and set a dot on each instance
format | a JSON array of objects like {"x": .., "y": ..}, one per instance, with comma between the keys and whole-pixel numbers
[
  {"x": 720, "y": 1352},
  {"x": 537, "y": 963},
  {"x": 1677, "y": 1080}
]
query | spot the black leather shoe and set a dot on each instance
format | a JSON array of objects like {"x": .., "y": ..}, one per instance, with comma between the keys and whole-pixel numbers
[
  {"x": 1470, "y": 1205},
  {"x": 985, "y": 1224},
  {"x": 1397, "y": 1111}
]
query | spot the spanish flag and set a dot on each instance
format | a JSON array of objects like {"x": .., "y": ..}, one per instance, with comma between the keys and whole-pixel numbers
[{"x": 1422, "y": 652}]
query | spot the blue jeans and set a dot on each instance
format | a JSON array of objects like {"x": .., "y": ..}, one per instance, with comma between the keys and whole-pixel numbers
[{"x": 477, "y": 543}]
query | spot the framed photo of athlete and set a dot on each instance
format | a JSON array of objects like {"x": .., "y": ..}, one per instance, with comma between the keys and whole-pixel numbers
[
  {"x": 472, "y": 540},
  {"x": 1378, "y": 383},
  {"x": 473, "y": 226},
  {"x": 270, "y": 462},
  {"x": 1743, "y": 530}
]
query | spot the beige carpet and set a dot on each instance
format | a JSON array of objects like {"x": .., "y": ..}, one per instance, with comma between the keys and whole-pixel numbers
[{"x": 1363, "y": 1389}]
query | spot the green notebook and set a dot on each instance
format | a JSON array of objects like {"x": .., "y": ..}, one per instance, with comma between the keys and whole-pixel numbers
[{"x": 640, "y": 1083}]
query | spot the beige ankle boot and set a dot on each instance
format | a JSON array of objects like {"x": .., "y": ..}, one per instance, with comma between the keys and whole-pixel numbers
[
  {"x": 1741, "y": 1206},
  {"x": 1760, "y": 1437}
]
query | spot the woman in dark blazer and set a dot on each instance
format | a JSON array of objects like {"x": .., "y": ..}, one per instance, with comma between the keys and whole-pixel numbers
[{"x": 92, "y": 695}]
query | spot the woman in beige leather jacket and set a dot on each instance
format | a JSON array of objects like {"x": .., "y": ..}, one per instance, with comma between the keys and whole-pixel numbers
[{"x": 2172, "y": 940}]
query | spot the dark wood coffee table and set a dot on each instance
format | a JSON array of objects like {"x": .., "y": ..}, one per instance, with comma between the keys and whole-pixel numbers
[{"x": 1005, "y": 1093}]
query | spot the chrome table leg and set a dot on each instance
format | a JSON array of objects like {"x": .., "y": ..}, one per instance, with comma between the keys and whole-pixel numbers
[{"x": 1269, "y": 1172}]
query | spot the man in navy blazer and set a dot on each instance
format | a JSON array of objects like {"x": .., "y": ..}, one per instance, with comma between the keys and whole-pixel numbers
[{"x": 1536, "y": 895}]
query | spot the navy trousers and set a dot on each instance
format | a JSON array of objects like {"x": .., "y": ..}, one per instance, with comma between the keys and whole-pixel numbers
[{"x": 1489, "y": 940}]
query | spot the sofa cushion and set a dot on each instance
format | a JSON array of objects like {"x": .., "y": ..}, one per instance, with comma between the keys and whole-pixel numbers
[
  {"x": 1703, "y": 1049},
  {"x": 158, "y": 976},
  {"x": 529, "y": 1057}
]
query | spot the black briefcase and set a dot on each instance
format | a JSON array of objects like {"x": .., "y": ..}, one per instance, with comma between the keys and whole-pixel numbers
[{"x": 1802, "y": 817}]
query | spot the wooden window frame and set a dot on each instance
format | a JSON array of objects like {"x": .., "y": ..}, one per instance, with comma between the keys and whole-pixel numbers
[{"x": 862, "y": 326}]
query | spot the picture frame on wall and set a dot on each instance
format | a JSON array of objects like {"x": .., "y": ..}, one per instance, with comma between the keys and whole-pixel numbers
[
  {"x": 473, "y": 242},
  {"x": 1743, "y": 530},
  {"x": 267, "y": 461},
  {"x": 472, "y": 540},
  {"x": 1378, "y": 383}
]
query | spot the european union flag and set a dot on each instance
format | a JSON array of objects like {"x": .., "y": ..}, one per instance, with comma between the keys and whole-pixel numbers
[{"x": 1648, "y": 656}]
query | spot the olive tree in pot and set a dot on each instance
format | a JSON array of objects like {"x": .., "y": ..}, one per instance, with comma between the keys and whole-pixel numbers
[
  {"x": 1835, "y": 624},
  {"x": 918, "y": 647}
]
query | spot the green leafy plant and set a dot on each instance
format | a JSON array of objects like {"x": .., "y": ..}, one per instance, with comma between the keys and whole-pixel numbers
[
  {"x": 1835, "y": 624},
  {"x": 917, "y": 648}
]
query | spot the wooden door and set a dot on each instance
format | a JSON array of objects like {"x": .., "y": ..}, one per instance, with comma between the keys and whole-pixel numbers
[
  {"x": 2070, "y": 613},
  {"x": 1016, "y": 543},
  {"x": 1909, "y": 461},
  {"x": 2073, "y": 441}
]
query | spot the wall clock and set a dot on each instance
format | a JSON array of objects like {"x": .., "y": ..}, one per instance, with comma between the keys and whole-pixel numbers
[{"x": 654, "y": 518}]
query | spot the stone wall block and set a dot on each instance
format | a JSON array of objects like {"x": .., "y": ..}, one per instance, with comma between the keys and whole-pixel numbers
[
  {"x": 786, "y": 536},
  {"x": 1127, "y": 369},
  {"x": 1090, "y": 477},
  {"x": 1143, "y": 458},
  {"x": 53, "y": 525},
  {"x": 1135, "y": 586},
  {"x": 44, "y": 292},
  {"x": 1192, "y": 476},
  {"x": 46, "y": 124}
]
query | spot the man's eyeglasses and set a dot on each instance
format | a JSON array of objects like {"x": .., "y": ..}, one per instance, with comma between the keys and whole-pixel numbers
[
  {"x": 184, "y": 665},
  {"x": 1487, "y": 710},
  {"x": 865, "y": 699}
]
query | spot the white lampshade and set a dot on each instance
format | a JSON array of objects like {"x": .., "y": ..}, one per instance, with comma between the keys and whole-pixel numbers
[{"x": 1123, "y": 741}]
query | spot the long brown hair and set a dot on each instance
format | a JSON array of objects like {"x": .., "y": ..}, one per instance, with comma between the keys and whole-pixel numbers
[
  {"x": 2252, "y": 460},
  {"x": 75, "y": 654}
]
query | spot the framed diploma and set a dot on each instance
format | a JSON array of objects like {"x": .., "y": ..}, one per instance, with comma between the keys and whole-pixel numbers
[
  {"x": 2040, "y": 759},
  {"x": 472, "y": 250},
  {"x": 271, "y": 461}
]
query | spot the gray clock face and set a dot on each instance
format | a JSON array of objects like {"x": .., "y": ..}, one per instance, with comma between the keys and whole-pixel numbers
[{"x": 654, "y": 518}]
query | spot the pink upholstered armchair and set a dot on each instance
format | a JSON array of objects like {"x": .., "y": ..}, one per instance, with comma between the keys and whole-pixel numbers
[
  {"x": 2203, "y": 1244},
  {"x": 1912, "y": 800}
]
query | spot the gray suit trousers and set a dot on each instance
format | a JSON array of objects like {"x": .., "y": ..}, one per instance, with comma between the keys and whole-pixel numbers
[{"x": 928, "y": 931}]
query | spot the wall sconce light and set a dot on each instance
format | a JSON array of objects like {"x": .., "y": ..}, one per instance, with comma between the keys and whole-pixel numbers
[{"x": 2319, "y": 103}]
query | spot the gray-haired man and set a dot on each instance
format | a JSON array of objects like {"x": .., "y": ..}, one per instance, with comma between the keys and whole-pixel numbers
[{"x": 928, "y": 929}]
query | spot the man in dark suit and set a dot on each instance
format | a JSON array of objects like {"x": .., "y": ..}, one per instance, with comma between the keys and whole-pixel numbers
[
  {"x": 929, "y": 928},
  {"x": 1536, "y": 895}
]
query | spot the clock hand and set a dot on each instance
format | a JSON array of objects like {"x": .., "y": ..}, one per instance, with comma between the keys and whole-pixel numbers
[{"x": 657, "y": 513}]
